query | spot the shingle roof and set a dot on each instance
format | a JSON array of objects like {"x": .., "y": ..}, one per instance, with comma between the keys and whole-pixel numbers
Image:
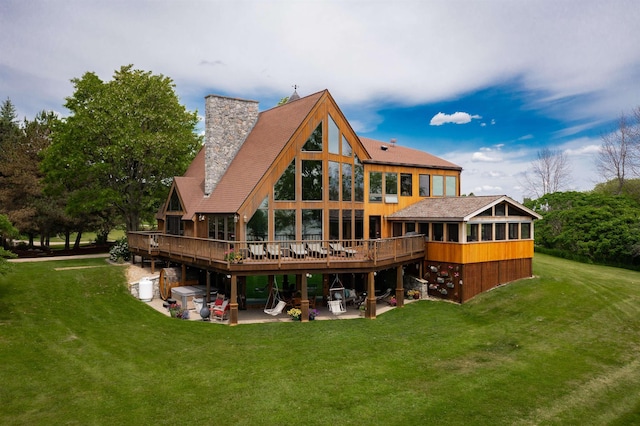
[
  {"x": 403, "y": 155},
  {"x": 456, "y": 209},
  {"x": 268, "y": 138}
]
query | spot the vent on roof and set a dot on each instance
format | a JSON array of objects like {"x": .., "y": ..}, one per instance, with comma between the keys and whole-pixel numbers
[{"x": 384, "y": 147}]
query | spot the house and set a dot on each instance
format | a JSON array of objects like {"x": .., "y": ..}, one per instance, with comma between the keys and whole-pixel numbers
[{"x": 294, "y": 191}]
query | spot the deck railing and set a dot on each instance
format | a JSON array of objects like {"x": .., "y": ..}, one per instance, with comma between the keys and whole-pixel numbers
[{"x": 281, "y": 251}]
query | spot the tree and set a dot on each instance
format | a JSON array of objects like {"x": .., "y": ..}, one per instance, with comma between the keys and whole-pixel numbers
[
  {"x": 20, "y": 176},
  {"x": 122, "y": 144},
  {"x": 7, "y": 230},
  {"x": 619, "y": 155},
  {"x": 550, "y": 172}
]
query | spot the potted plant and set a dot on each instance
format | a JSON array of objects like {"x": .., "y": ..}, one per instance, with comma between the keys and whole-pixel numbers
[
  {"x": 313, "y": 313},
  {"x": 295, "y": 314}
]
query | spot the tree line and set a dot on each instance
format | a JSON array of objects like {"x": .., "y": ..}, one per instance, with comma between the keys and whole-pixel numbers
[{"x": 109, "y": 163}]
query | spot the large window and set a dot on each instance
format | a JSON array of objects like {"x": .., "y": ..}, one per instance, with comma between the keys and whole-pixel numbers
[
  {"x": 314, "y": 143},
  {"x": 258, "y": 225},
  {"x": 346, "y": 147},
  {"x": 438, "y": 231},
  {"x": 284, "y": 224},
  {"x": 375, "y": 186},
  {"x": 513, "y": 231},
  {"x": 452, "y": 232},
  {"x": 525, "y": 231},
  {"x": 424, "y": 185},
  {"x": 334, "y": 181},
  {"x": 346, "y": 182},
  {"x": 312, "y": 180},
  {"x": 390, "y": 187},
  {"x": 311, "y": 224},
  {"x": 472, "y": 232},
  {"x": 501, "y": 233},
  {"x": 347, "y": 219},
  {"x": 174, "y": 203},
  {"x": 334, "y": 224},
  {"x": 406, "y": 184},
  {"x": 333, "y": 137},
  {"x": 285, "y": 187},
  {"x": 438, "y": 185},
  {"x": 358, "y": 180}
]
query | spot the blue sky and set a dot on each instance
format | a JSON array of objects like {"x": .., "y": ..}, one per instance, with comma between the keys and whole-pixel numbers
[{"x": 484, "y": 84}]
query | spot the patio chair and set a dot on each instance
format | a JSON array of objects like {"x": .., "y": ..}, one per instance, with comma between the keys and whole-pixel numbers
[
  {"x": 297, "y": 250},
  {"x": 256, "y": 251},
  {"x": 275, "y": 305},
  {"x": 316, "y": 250},
  {"x": 220, "y": 310},
  {"x": 273, "y": 251},
  {"x": 336, "y": 307},
  {"x": 337, "y": 300},
  {"x": 338, "y": 249}
]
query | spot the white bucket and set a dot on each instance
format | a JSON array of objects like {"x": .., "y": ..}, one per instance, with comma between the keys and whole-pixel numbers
[
  {"x": 145, "y": 290},
  {"x": 198, "y": 303}
]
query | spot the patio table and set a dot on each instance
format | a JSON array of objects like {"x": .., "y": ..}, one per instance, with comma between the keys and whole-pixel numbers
[{"x": 185, "y": 292}]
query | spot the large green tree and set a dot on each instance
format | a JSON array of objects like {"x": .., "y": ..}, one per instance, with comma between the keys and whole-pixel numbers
[
  {"x": 7, "y": 230},
  {"x": 123, "y": 142},
  {"x": 600, "y": 227}
]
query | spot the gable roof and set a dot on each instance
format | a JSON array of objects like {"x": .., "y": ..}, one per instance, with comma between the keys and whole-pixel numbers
[
  {"x": 455, "y": 209},
  {"x": 269, "y": 136},
  {"x": 401, "y": 155}
]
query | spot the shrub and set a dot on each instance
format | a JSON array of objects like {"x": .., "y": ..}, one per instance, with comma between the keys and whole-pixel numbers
[{"x": 120, "y": 251}]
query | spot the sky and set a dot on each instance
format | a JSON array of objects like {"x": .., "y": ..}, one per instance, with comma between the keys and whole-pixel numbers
[{"x": 483, "y": 84}]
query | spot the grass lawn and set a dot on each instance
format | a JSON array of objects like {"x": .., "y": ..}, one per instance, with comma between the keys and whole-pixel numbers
[{"x": 561, "y": 348}]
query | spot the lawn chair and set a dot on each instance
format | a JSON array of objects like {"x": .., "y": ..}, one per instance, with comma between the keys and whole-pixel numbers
[
  {"x": 316, "y": 250},
  {"x": 297, "y": 250},
  {"x": 338, "y": 249},
  {"x": 256, "y": 251},
  {"x": 384, "y": 295},
  {"x": 273, "y": 251}
]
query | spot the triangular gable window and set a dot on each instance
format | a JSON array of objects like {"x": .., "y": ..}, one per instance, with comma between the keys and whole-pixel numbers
[
  {"x": 174, "y": 203},
  {"x": 314, "y": 143}
]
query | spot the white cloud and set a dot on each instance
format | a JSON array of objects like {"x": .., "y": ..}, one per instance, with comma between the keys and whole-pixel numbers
[
  {"x": 484, "y": 157},
  {"x": 457, "y": 118}
]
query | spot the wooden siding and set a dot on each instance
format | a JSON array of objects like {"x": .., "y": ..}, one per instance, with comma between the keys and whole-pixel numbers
[
  {"x": 466, "y": 253},
  {"x": 480, "y": 277}
]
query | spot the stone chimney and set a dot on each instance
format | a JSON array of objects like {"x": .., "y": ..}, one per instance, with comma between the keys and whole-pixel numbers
[{"x": 228, "y": 122}]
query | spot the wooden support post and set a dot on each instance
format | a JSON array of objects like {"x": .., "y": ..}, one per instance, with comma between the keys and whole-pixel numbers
[
  {"x": 184, "y": 274},
  {"x": 304, "y": 304},
  {"x": 233, "y": 304},
  {"x": 370, "y": 311},
  {"x": 399, "y": 287},
  {"x": 207, "y": 297}
]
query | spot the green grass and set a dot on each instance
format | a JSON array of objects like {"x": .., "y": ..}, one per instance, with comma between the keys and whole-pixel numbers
[{"x": 561, "y": 348}]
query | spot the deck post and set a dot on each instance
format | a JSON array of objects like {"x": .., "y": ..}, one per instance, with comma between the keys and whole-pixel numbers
[
  {"x": 399, "y": 286},
  {"x": 233, "y": 304},
  {"x": 370, "y": 311},
  {"x": 304, "y": 302}
]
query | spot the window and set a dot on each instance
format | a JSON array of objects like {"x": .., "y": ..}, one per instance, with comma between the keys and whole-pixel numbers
[
  {"x": 312, "y": 180},
  {"x": 333, "y": 137},
  {"x": 472, "y": 232},
  {"x": 285, "y": 188},
  {"x": 501, "y": 233},
  {"x": 314, "y": 143},
  {"x": 258, "y": 225},
  {"x": 175, "y": 226},
  {"x": 438, "y": 186},
  {"x": 499, "y": 209},
  {"x": 334, "y": 181},
  {"x": 359, "y": 224},
  {"x": 311, "y": 224},
  {"x": 513, "y": 231},
  {"x": 346, "y": 182},
  {"x": 358, "y": 180},
  {"x": 334, "y": 224},
  {"x": 346, "y": 224},
  {"x": 346, "y": 147},
  {"x": 438, "y": 232},
  {"x": 409, "y": 227},
  {"x": 423, "y": 228},
  {"x": 391, "y": 188},
  {"x": 174, "y": 203},
  {"x": 451, "y": 186},
  {"x": 406, "y": 184},
  {"x": 487, "y": 232},
  {"x": 397, "y": 229},
  {"x": 452, "y": 232},
  {"x": 525, "y": 231},
  {"x": 284, "y": 224},
  {"x": 375, "y": 186},
  {"x": 424, "y": 185}
]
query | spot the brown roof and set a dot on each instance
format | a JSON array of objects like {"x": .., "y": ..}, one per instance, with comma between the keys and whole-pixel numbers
[
  {"x": 394, "y": 154},
  {"x": 267, "y": 139},
  {"x": 456, "y": 209}
]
